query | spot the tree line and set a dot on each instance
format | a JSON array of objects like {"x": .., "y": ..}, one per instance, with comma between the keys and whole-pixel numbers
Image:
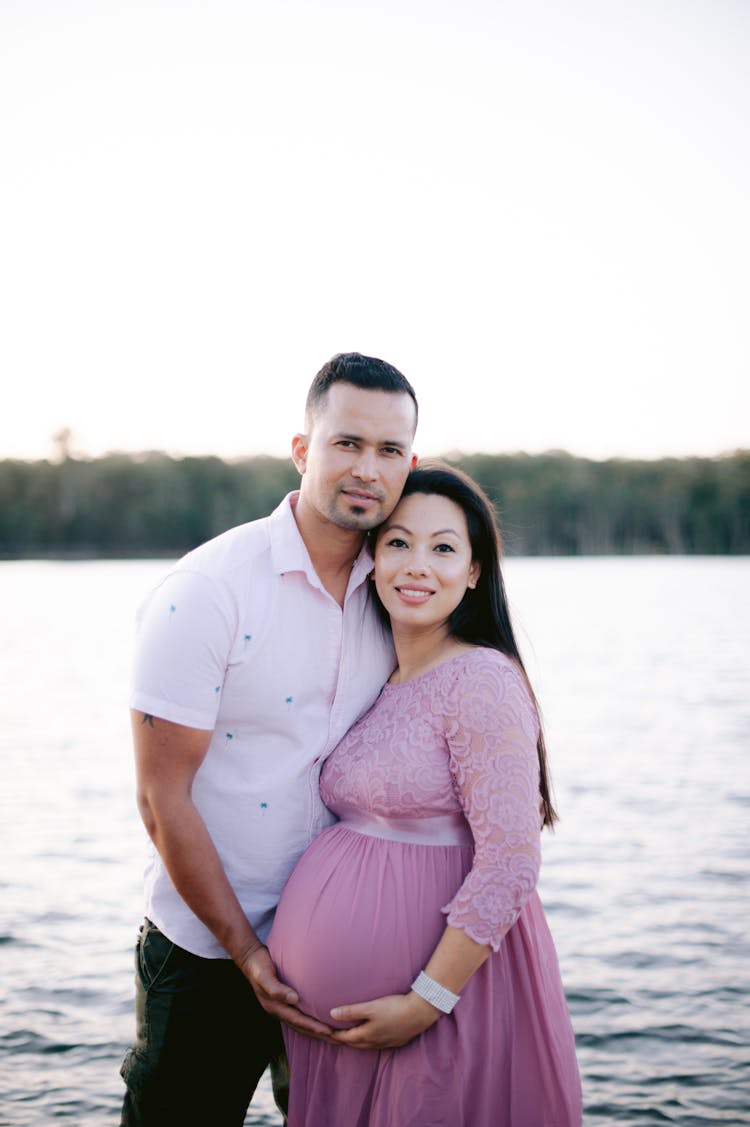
[{"x": 125, "y": 505}]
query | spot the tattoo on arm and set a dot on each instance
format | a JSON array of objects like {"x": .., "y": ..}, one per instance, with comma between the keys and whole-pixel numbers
[{"x": 147, "y": 719}]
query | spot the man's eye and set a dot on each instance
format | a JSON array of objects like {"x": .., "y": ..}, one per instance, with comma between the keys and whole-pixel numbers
[{"x": 392, "y": 450}]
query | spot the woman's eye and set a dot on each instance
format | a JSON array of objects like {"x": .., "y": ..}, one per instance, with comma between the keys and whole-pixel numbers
[
  {"x": 444, "y": 548},
  {"x": 396, "y": 542}
]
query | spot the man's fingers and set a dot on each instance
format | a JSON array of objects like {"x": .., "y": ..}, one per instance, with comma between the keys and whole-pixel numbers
[
  {"x": 278, "y": 999},
  {"x": 348, "y": 1036},
  {"x": 303, "y": 1023},
  {"x": 358, "y": 1038},
  {"x": 276, "y": 991},
  {"x": 261, "y": 972}
]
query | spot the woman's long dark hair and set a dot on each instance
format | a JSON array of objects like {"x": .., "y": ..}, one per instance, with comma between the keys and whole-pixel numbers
[{"x": 482, "y": 618}]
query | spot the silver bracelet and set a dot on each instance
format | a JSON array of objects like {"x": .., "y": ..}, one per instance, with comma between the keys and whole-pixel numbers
[{"x": 438, "y": 996}]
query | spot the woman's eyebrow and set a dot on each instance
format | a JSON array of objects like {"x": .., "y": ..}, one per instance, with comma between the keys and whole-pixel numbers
[{"x": 437, "y": 532}]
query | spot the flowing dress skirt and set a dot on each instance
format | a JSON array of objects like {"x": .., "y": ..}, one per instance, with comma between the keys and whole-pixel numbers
[{"x": 358, "y": 919}]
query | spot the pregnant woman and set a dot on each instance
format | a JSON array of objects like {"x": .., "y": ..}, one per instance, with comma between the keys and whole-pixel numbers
[{"x": 412, "y": 926}]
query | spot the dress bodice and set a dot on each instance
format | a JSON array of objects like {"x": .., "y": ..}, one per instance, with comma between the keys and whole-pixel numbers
[{"x": 461, "y": 737}]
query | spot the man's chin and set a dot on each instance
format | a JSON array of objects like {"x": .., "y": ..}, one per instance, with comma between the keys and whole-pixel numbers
[{"x": 358, "y": 520}]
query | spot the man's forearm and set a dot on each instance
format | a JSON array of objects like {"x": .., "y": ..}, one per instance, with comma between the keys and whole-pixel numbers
[{"x": 192, "y": 861}]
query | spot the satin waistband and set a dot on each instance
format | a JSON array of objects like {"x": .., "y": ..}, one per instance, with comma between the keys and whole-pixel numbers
[{"x": 438, "y": 829}]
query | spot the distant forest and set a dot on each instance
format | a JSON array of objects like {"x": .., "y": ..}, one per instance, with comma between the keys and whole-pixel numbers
[{"x": 549, "y": 504}]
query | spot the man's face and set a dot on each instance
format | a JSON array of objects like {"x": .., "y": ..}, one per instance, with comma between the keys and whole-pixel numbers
[{"x": 356, "y": 457}]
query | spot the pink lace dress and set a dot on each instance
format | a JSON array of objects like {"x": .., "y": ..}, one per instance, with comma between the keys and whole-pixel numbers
[{"x": 437, "y": 790}]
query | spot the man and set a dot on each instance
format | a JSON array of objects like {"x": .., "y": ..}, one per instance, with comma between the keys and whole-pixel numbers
[{"x": 255, "y": 655}]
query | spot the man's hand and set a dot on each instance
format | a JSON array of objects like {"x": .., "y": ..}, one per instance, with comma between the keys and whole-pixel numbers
[
  {"x": 384, "y": 1023},
  {"x": 276, "y": 997}
]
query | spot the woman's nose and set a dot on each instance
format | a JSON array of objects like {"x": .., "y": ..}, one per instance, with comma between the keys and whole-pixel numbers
[{"x": 417, "y": 565}]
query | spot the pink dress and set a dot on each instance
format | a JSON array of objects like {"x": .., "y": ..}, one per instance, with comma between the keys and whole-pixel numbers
[{"x": 437, "y": 789}]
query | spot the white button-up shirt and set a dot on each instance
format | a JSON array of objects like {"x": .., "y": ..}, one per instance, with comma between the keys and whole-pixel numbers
[{"x": 242, "y": 639}]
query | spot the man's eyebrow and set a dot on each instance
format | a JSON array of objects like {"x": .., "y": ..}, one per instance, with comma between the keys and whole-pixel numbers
[{"x": 381, "y": 441}]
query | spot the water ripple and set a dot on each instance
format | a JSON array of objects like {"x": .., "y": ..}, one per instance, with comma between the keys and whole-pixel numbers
[{"x": 644, "y": 881}]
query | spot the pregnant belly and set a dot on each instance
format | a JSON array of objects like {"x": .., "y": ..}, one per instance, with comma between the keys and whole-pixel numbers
[{"x": 360, "y": 916}]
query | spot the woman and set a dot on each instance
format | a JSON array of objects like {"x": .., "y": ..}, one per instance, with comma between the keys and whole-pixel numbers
[{"x": 412, "y": 926}]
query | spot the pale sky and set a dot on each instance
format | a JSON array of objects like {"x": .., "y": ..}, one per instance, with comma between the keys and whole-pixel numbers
[{"x": 539, "y": 211}]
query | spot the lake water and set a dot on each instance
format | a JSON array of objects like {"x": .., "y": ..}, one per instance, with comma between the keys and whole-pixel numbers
[{"x": 642, "y": 667}]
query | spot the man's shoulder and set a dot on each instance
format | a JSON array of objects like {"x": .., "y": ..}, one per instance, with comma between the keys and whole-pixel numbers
[
  {"x": 229, "y": 547},
  {"x": 232, "y": 551}
]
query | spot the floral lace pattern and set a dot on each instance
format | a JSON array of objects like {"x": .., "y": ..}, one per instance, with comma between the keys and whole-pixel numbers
[{"x": 460, "y": 737}]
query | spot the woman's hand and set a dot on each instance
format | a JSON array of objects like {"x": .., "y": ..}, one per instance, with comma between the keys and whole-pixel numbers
[{"x": 384, "y": 1023}]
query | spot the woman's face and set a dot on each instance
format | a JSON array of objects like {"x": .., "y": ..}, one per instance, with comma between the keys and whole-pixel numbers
[{"x": 423, "y": 561}]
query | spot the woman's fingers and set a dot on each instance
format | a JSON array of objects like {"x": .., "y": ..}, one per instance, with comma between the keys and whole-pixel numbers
[{"x": 358, "y": 1012}]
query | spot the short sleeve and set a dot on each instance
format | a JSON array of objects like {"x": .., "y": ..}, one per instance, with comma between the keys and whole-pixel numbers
[
  {"x": 185, "y": 632},
  {"x": 492, "y": 732}
]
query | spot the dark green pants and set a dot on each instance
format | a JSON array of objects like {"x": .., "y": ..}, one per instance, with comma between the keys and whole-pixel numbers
[{"x": 203, "y": 1040}]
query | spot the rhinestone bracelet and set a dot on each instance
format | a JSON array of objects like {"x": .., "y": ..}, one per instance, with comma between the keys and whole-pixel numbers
[{"x": 438, "y": 996}]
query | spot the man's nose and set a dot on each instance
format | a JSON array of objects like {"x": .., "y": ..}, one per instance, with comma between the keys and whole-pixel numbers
[{"x": 366, "y": 466}]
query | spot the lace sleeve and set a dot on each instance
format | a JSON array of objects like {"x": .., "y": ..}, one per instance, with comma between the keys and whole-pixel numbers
[{"x": 492, "y": 731}]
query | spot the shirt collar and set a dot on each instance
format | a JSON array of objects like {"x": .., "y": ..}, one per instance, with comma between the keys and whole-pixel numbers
[{"x": 288, "y": 551}]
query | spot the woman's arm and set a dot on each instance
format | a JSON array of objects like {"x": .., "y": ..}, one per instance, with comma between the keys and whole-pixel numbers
[
  {"x": 492, "y": 746},
  {"x": 388, "y": 1023}
]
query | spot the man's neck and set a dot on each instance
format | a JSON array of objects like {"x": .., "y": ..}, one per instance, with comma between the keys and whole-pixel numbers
[{"x": 332, "y": 550}]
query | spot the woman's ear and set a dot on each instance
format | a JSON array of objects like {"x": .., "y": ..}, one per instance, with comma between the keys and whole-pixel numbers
[{"x": 474, "y": 572}]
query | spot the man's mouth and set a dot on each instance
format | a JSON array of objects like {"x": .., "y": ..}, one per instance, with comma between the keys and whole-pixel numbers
[{"x": 361, "y": 496}]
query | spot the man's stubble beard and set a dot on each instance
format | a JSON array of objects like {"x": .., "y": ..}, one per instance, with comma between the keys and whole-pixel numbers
[{"x": 357, "y": 519}]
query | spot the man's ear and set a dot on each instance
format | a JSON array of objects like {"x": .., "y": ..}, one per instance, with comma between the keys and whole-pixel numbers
[
  {"x": 300, "y": 447},
  {"x": 413, "y": 462}
]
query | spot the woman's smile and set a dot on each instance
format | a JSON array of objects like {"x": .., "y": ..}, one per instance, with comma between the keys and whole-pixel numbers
[{"x": 415, "y": 594}]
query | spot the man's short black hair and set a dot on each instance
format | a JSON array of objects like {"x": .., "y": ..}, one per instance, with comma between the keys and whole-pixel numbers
[{"x": 366, "y": 372}]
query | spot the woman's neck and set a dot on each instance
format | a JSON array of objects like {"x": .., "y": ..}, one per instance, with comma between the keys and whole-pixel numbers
[{"x": 418, "y": 651}]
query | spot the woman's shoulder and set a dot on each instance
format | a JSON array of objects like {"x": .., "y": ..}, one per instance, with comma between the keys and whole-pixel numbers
[
  {"x": 475, "y": 670},
  {"x": 496, "y": 678},
  {"x": 476, "y": 660}
]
